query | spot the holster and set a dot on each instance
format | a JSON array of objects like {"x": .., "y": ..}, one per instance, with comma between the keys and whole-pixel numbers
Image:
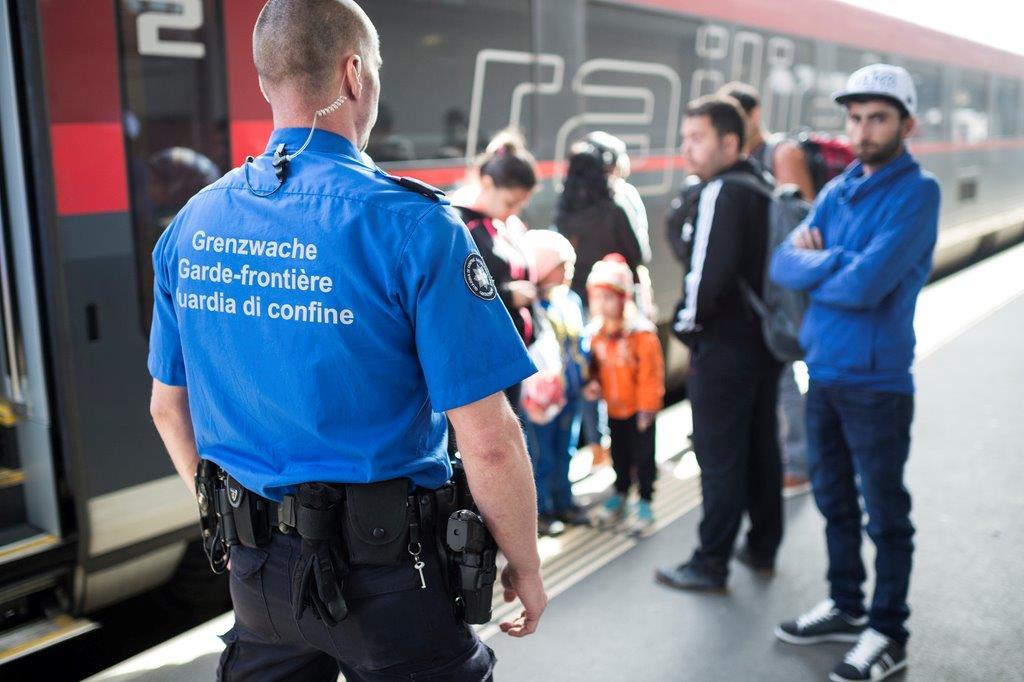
[
  {"x": 210, "y": 524},
  {"x": 471, "y": 554}
]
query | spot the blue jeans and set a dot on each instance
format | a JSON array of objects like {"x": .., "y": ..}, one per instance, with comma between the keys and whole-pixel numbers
[
  {"x": 551, "y": 446},
  {"x": 859, "y": 440}
]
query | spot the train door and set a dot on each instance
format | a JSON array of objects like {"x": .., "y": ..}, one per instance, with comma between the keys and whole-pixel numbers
[
  {"x": 29, "y": 520},
  {"x": 32, "y": 610}
]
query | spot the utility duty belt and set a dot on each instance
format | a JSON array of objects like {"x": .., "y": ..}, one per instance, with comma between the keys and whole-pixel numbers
[{"x": 348, "y": 525}]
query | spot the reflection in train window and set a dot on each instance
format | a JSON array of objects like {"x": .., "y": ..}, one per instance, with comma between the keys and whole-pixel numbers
[
  {"x": 1006, "y": 115},
  {"x": 431, "y": 51},
  {"x": 931, "y": 117},
  {"x": 175, "y": 118},
  {"x": 644, "y": 55},
  {"x": 970, "y": 108}
]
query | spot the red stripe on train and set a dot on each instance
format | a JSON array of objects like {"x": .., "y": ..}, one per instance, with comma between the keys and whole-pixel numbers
[
  {"x": 249, "y": 138},
  {"x": 248, "y": 112},
  {"x": 89, "y": 168}
]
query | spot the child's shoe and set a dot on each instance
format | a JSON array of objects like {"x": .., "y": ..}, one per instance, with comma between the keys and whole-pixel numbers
[
  {"x": 611, "y": 512},
  {"x": 644, "y": 519}
]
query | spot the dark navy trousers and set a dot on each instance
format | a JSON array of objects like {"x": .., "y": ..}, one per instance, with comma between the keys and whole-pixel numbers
[
  {"x": 858, "y": 440},
  {"x": 394, "y": 630}
]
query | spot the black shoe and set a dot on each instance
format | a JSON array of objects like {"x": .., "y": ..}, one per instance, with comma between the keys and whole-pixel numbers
[
  {"x": 755, "y": 562},
  {"x": 823, "y": 623},
  {"x": 689, "y": 576},
  {"x": 874, "y": 658},
  {"x": 549, "y": 525},
  {"x": 573, "y": 516}
]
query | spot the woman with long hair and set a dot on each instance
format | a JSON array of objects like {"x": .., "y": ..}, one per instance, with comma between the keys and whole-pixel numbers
[
  {"x": 590, "y": 219},
  {"x": 507, "y": 176}
]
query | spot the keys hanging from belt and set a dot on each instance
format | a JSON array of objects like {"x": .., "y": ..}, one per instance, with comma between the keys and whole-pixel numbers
[{"x": 415, "y": 547}]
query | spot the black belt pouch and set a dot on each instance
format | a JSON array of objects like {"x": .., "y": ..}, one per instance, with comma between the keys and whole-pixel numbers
[
  {"x": 377, "y": 522},
  {"x": 251, "y": 513}
]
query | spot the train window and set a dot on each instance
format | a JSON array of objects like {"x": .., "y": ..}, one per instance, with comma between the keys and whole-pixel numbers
[
  {"x": 1006, "y": 116},
  {"x": 435, "y": 52},
  {"x": 175, "y": 115},
  {"x": 971, "y": 121},
  {"x": 931, "y": 117},
  {"x": 640, "y": 69}
]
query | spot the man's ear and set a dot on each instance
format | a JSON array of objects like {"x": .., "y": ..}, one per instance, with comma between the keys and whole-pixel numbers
[
  {"x": 263, "y": 90},
  {"x": 353, "y": 75},
  {"x": 908, "y": 126},
  {"x": 733, "y": 140}
]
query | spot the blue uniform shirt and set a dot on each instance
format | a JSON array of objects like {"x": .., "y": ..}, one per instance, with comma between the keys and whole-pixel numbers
[{"x": 322, "y": 330}]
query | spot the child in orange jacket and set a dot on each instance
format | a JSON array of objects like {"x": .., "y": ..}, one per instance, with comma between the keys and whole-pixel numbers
[{"x": 628, "y": 371}]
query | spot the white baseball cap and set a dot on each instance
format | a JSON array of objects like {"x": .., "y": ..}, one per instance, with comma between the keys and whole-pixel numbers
[{"x": 881, "y": 80}]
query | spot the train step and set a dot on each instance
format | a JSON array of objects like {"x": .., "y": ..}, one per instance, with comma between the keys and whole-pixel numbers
[
  {"x": 39, "y": 634},
  {"x": 10, "y": 478}
]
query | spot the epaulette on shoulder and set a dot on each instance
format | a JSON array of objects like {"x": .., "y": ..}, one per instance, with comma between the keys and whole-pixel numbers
[{"x": 429, "y": 191}]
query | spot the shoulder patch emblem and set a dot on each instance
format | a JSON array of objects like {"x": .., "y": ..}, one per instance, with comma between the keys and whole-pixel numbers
[{"x": 478, "y": 279}]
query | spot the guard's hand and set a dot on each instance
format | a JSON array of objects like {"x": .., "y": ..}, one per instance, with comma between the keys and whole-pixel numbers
[
  {"x": 644, "y": 421},
  {"x": 592, "y": 391},
  {"x": 529, "y": 588},
  {"x": 809, "y": 239}
]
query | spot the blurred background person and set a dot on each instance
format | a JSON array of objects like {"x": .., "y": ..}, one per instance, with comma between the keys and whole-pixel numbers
[
  {"x": 596, "y": 226},
  {"x": 617, "y": 169},
  {"x": 787, "y": 163},
  {"x": 722, "y": 235},
  {"x": 507, "y": 177},
  {"x": 628, "y": 371},
  {"x": 552, "y": 399}
]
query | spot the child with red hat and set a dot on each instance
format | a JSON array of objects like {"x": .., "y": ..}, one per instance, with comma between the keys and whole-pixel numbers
[{"x": 628, "y": 370}]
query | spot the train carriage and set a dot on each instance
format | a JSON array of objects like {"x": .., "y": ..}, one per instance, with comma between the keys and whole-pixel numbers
[{"x": 113, "y": 113}]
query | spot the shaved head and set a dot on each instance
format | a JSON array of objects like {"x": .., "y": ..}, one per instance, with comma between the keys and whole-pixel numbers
[{"x": 298, "y": 44}]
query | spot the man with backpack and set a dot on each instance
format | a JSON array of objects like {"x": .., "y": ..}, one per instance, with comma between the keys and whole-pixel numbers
[
  {"x": 719, "y": 230},
  {"x": 807, "y": 161},
  {"x": 863, "y": 255}
]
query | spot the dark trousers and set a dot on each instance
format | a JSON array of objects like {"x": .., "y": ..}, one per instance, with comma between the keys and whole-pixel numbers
[
  {"x": 733, "y": 390},
  {"x": 394, "y": 629},
  {"x": 633, "y": 451},
  {"x": 861, "y": 438}
]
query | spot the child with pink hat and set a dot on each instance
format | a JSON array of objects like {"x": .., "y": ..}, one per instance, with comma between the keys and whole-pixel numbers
[{"x": 551, "y": 399}]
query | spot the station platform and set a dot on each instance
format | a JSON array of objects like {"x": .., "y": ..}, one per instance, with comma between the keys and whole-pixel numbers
[{"x": 608, "y": 619}]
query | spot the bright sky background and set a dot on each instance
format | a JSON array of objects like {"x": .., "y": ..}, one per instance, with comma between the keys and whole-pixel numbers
[{"x": 992, "y": 22}]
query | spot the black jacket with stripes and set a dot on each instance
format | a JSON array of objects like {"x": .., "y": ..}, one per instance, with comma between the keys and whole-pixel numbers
[{"x": 718, "y": 230}]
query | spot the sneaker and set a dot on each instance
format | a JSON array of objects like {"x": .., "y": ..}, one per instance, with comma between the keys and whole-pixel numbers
[
  {"x": 793, "y": 485},
  {"x": 644, "y": 518},
  {"x": 611, "y": 512},
  {"x": 549, "y": 525},
  {"x": 690, "y": 576},
  {"x": 823, "y": 623},
  {"x": 755, "y": 562},
  {"x": 573, "y": 515},
  {"x": 874, "y": 658}
]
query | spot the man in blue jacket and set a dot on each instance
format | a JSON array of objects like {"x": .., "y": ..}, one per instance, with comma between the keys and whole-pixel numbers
[{"x": 863, "y": 255}]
